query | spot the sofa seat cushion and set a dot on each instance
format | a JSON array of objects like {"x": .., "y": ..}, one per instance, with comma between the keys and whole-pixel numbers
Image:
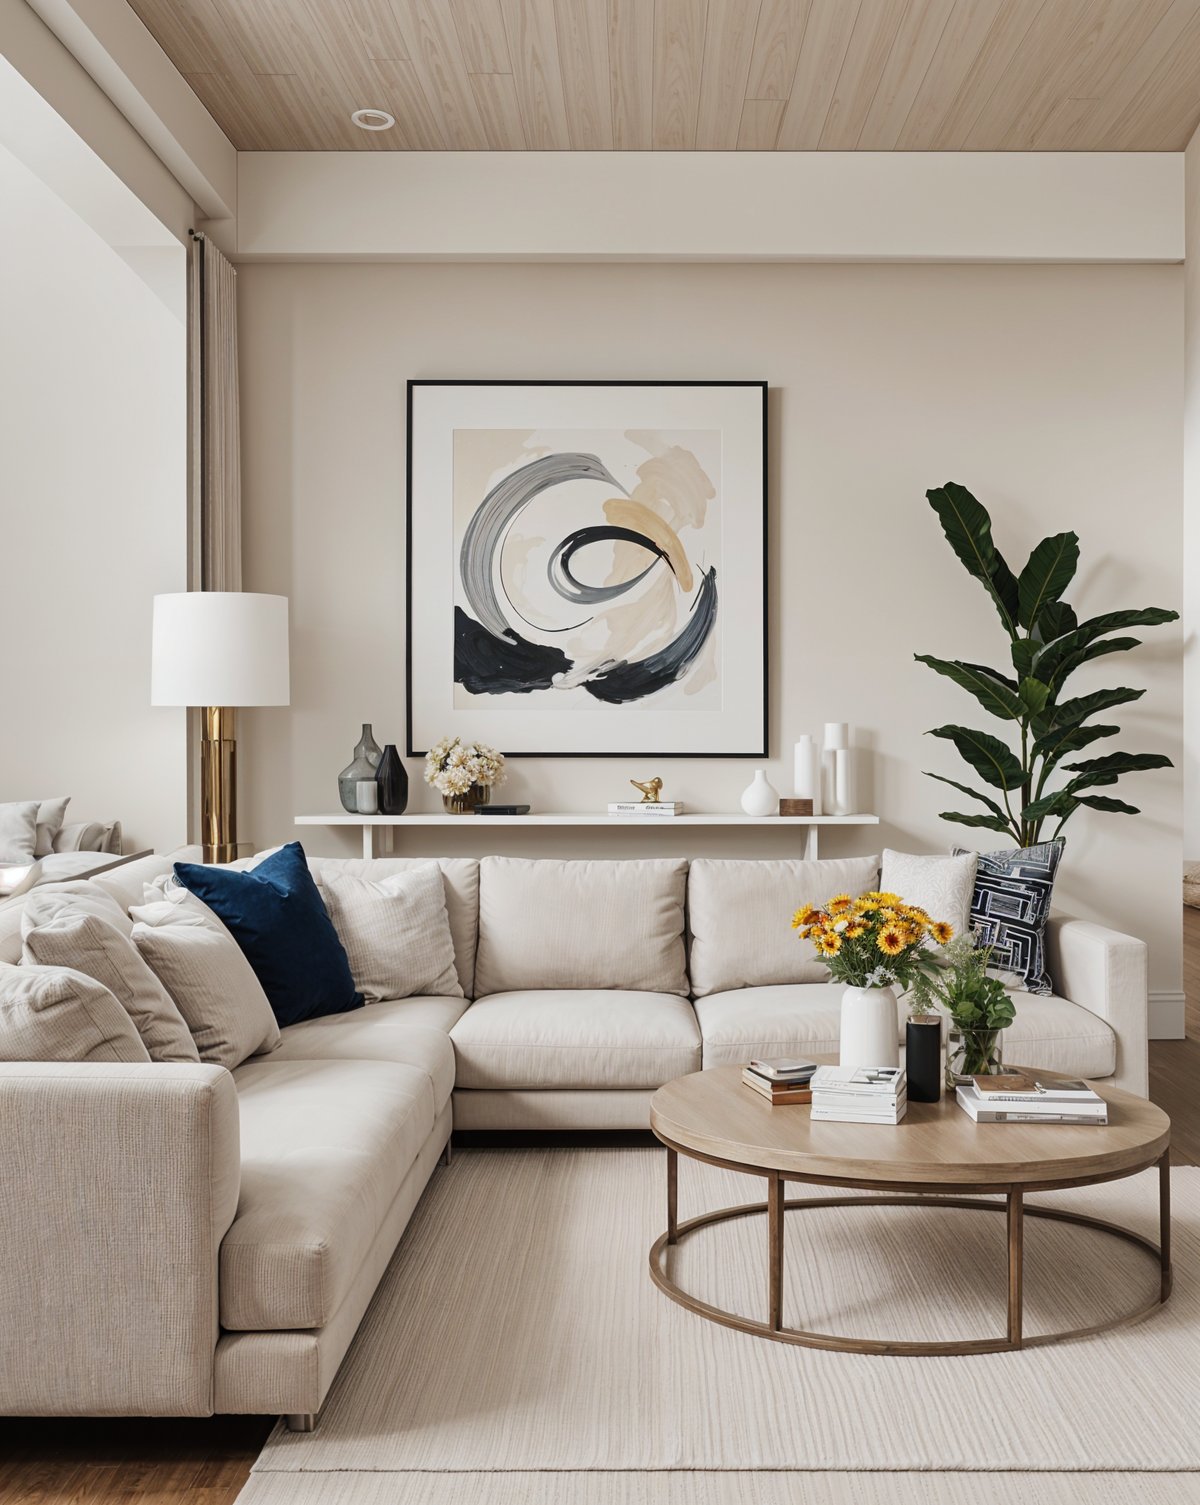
[
  {"x": 575, "y": 1038},
  {"x": 783, "y": 1020},
  {"x": 389, "y": 1031},
  {"x": 805, "y": 1019},
  {"x": 325, "y": 1148}
]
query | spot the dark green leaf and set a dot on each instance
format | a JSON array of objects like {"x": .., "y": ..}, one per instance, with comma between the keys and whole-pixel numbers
[
  {"x": 1102, "y": 802},
  {"x": 970, "y": 793},
  {"x": 992, "y": 760},
  {"x": 1050, "y": 570},
  {"x": 1034, "y": 695},
  {"x": 968, "y": 530},
  {"x": 1090, "y": 781},
  {"x": 1121, "y": 762},
  {"x": 1061, "y": 645},
  {"x": 1062, "y": 802},
  {"x": 1065, "y": 667},
  {"x": 1024, "y": 651},
  {"x": 1058, "y": 744},
  {"x": 1055, "y": 618},
  {"x": 987, "y": 822},
  {"x": 1073, "y": 712},
  {"x": 988, "y": 689}
]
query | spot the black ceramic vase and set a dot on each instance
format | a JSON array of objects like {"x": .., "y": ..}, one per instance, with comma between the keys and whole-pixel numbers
[{"x": 391, "y": 778}]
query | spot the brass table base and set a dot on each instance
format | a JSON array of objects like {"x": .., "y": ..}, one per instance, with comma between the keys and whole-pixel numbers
[{"x": 1013, "y": 1206}]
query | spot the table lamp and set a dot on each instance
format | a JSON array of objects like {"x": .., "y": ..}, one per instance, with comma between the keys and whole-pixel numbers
[{"x": 219, "y": 650}]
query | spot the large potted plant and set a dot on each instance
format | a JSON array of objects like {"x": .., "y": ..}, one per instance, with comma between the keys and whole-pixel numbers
[{"x": 1046, "y": 645}]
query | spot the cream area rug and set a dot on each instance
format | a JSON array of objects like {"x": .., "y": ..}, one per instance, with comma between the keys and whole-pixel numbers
[{"x": 517, "y": 1351}]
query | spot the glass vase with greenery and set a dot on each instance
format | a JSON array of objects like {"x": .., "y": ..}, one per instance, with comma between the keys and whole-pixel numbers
[
  {"x": 978, "y": 1006},
  {"x": 1046, "y": 645}
]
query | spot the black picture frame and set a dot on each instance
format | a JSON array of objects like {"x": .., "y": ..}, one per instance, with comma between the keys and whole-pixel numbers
[{"x": 760, "y": 751}]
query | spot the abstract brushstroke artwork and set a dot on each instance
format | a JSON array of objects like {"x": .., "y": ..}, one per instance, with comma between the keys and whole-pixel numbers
[{"x": 586, "y": 567}]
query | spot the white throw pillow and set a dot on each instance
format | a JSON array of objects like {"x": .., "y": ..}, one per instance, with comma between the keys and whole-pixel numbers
[
  {"x": 108, "y": 956},
  {"x": 942, "y": 886},
  {"x": 740, "y": 919},
  {"x": 50, "y": 816},
  {"x": 396, "y": 932},
  {"x": 18, "y": 832},
  {"x": 54, "y": 1014},
  {"x": 202, "y": 967}
]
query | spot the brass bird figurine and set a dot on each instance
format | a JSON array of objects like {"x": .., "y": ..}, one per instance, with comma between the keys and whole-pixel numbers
[{"x": 651, "y": 790}]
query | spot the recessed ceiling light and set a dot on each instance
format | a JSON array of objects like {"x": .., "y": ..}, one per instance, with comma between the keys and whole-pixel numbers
[{"x": 373, "y": 120}]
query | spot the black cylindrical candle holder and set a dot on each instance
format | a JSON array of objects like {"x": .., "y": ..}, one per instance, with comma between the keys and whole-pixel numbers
[{"x": 923, "y": 1057}]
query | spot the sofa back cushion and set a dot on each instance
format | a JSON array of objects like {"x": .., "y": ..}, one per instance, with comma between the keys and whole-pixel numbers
[
  {"x": 740, "y": 919},
  {"x": 460, "y": 884},
  {"x": 54, "y": 1014},
  {"x": 548, "y": 924}
]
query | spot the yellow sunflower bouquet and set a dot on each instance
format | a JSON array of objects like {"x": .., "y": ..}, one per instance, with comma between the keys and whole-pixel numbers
[{"x": 874, "y": 941}]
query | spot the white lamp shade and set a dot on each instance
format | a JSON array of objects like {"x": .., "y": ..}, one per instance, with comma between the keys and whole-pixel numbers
[{"x": 221, "y": 648}]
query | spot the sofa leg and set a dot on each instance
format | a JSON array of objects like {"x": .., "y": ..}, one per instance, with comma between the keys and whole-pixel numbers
[
  {"x": 448, "y": 1152},
  {"x": 301, "y": 1421}
]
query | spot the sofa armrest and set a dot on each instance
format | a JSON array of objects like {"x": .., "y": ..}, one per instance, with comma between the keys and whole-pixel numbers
[
  {"x": 1106, "y": 972},
  {"x": 117, "y": 1185}
]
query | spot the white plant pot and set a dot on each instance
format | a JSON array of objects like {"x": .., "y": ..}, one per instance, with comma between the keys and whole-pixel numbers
[
  {"x": 870, "y": 1034},
  {"x": 761, "y": 797}
]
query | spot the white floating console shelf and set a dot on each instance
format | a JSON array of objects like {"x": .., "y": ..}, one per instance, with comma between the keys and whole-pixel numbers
[{"x": 372, "y": 825}]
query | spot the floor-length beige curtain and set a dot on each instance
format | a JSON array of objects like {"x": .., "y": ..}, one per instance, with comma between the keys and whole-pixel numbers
[{"x": 213, "y": 422}]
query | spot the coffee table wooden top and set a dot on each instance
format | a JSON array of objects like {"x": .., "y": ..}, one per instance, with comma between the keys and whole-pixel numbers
[{"x": 713, "y": 1114}]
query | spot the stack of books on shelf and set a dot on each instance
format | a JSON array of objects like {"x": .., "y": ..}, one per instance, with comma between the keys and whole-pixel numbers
[
  {"x": 1019, "y": 1099},
  {"x": 859, "y": 1094},
  {"x": 780, "y": 1081},
  {"x": 649, "y": 809}
]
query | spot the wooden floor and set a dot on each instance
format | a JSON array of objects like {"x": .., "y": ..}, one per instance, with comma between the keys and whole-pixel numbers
[{"x": 139, "y": 1462}]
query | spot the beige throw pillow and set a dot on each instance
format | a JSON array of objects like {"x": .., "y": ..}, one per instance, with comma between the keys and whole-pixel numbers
[
  {"x": 53, "y": 1014},
  {"x": 76, "y": 898},
  {"x": 740, "y": 918},
  {"x": 50, "y": 816},
  {"x": 106, "y": 954},
  {"x": 18, "y": 832},
  {"x": 942, "y": 886},
  {"x": 203, "y": 969},
  {"x": 547, "y": 924},
  {"x": 396, "y": 933}
]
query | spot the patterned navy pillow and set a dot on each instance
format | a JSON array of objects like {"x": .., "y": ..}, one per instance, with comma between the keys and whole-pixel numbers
[{"x": 1010, "y": 907}]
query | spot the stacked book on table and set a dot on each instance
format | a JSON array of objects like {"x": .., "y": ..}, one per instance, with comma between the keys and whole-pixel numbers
[
  {"x": 647, "y": 809},
  {"x": 780, "y": 1081},
  {"x": 859, "y": 1094},
  {"x": 1016, "y": 1098}
]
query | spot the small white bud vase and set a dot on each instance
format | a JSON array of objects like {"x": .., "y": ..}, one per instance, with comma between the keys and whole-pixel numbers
[
  {"x": 870, "y": 1032},
  {"x": 804, "y": 770},
  {"x": 760, "y": 797}
]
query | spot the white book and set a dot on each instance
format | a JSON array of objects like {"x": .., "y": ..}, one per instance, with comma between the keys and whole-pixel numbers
[
  {"x": 1037, "y": 1107},
  {"x": 859, "y": 1103},
  {"x": 853, "y": 1116},
  {"x": 1062, "y": 1113},
  {"x": 647, "y": 811},
  {"x": 862, "y": 1081}
]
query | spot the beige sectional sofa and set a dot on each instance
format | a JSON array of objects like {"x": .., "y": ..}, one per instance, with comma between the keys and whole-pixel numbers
[{"x": 183, "y": 1240}]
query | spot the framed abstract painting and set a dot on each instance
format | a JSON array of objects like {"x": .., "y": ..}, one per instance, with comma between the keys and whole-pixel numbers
[{"x": 587, "y": 567}]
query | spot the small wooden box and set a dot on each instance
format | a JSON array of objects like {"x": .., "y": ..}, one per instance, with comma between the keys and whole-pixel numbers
[{"x": 795, "y": 807}]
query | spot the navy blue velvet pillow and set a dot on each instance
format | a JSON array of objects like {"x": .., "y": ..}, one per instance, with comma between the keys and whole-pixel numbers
[{"x": 278, "y": 918}]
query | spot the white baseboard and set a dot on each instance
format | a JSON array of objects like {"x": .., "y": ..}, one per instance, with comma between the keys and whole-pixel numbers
[{"x": 1166, "y": 1016}]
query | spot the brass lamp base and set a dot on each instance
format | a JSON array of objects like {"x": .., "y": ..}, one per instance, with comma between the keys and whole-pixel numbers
[{"x": 218, "y": 780}]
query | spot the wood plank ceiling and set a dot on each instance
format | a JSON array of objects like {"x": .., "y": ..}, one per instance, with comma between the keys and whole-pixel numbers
[{"x": 682, "y": 75}]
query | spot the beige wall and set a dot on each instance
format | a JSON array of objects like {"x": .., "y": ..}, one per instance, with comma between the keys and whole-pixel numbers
[
  {"x": 92, "y": 519},
  {"x": 1054, "y": 392}
]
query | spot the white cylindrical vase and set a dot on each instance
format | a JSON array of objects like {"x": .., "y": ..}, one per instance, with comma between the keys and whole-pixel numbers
[
  {"x": 845, "y": 794},
  {"x": 804, "y": 775},
  {"x": 760, "y": 797},
  {"x": 837, "y": 739},
  {"x": 870, "y": 1031}
]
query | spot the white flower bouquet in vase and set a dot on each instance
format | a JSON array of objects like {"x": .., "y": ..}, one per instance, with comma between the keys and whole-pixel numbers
[{"x": 463, "y": 773}]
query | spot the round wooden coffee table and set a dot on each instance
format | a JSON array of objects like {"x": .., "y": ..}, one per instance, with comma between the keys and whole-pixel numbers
[{"x": 937, "y": 1151}]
